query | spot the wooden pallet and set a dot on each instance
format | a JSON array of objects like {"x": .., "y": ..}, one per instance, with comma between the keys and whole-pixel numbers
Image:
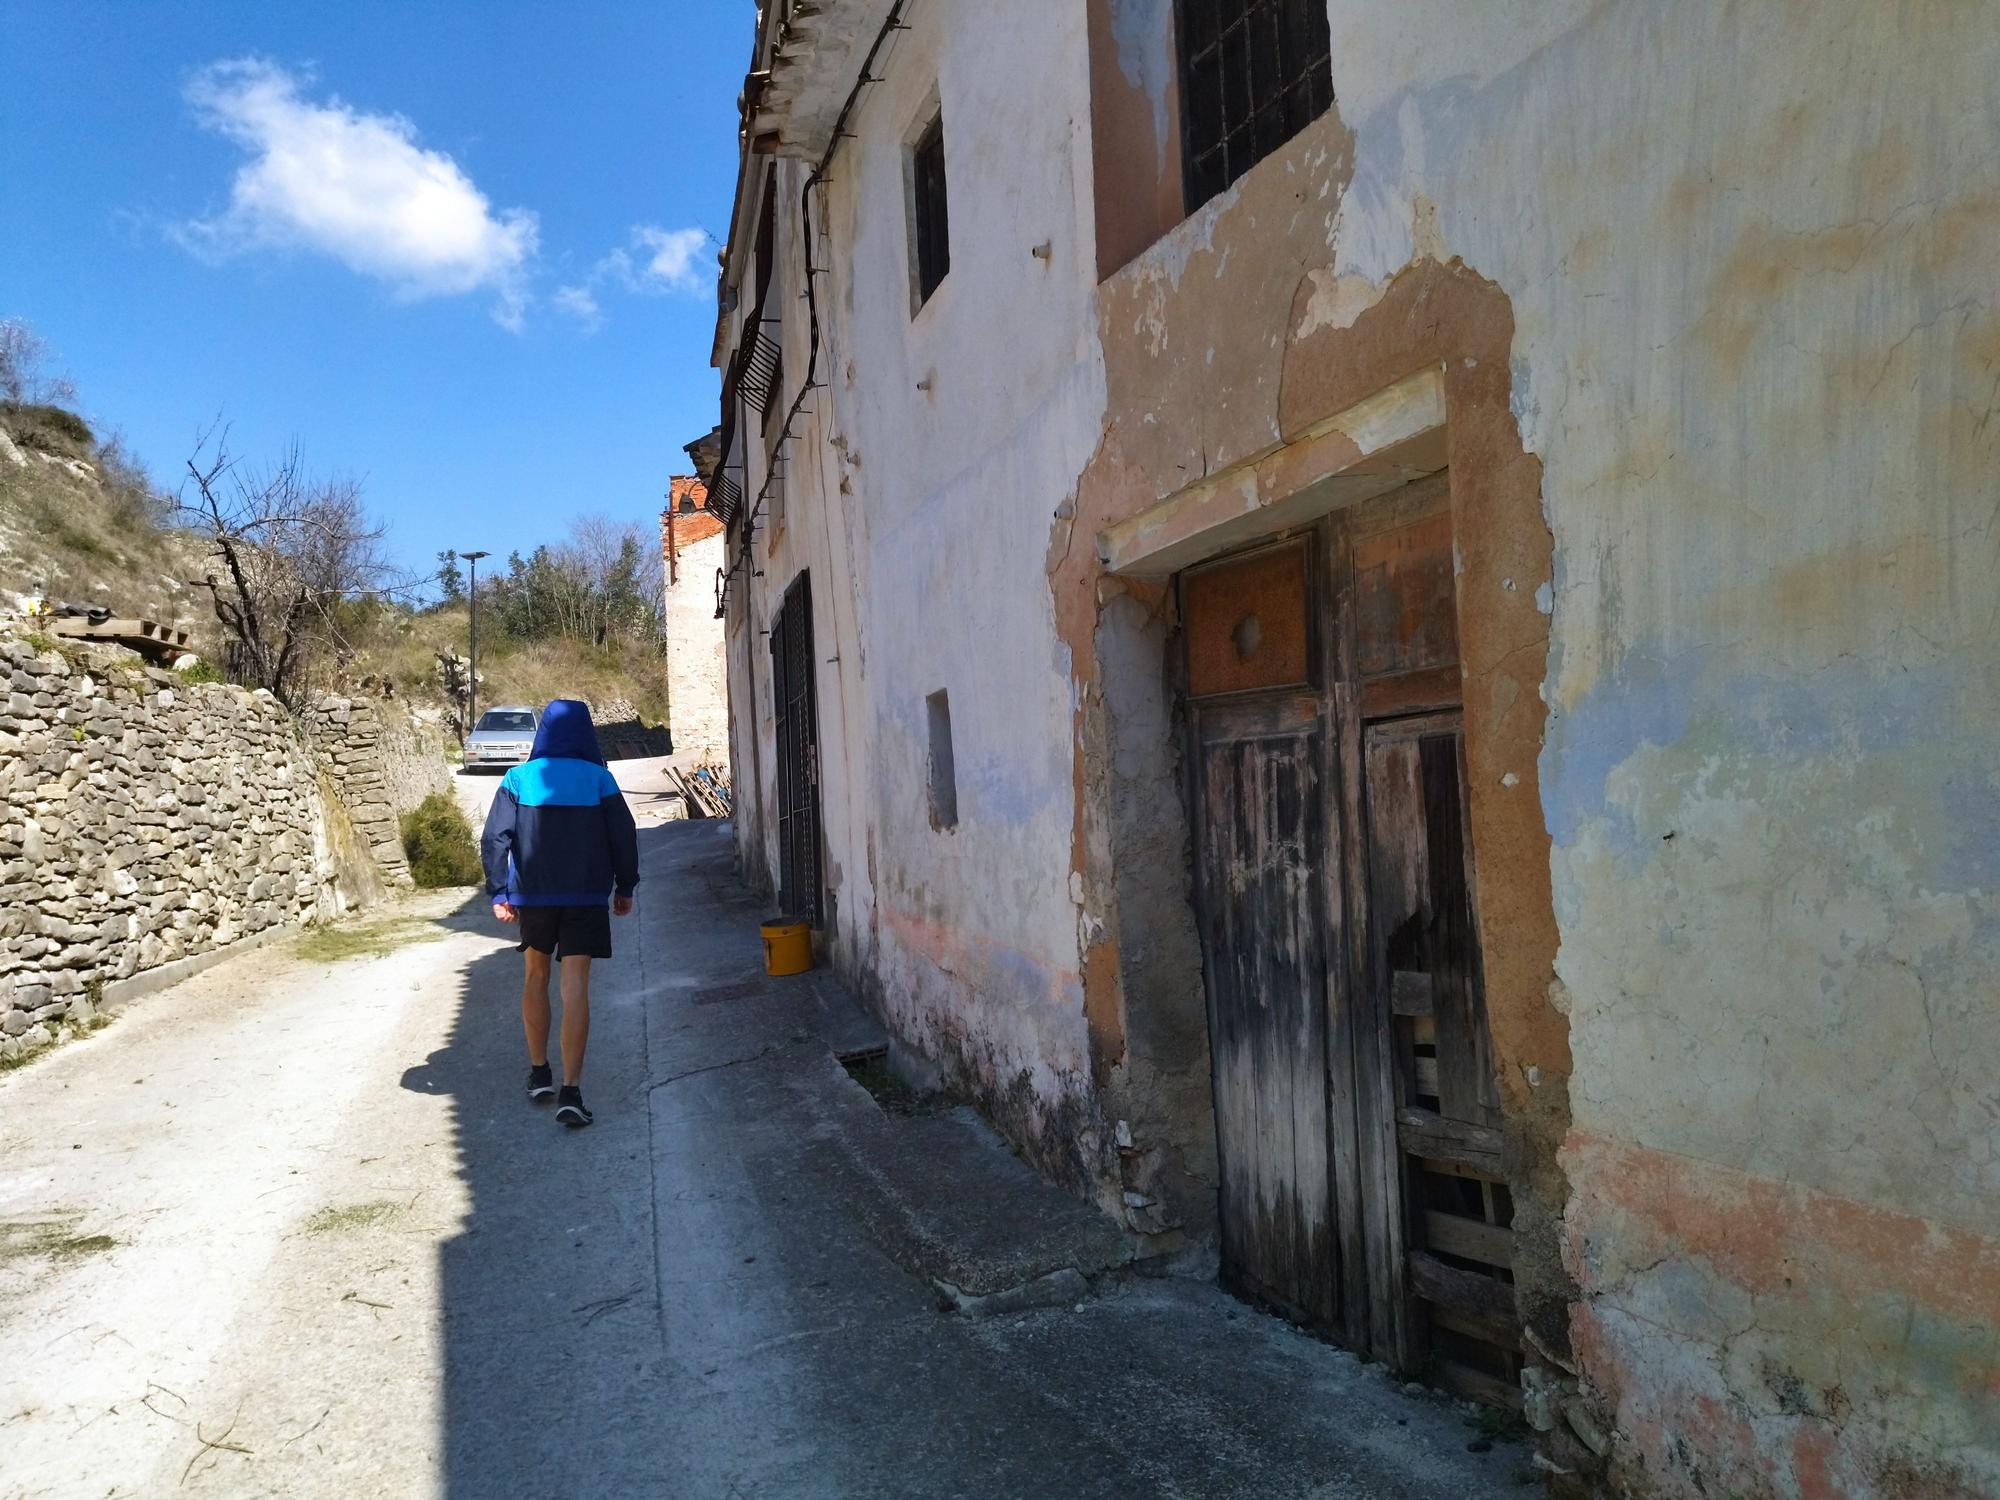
[{"x": 148, "y": 637}]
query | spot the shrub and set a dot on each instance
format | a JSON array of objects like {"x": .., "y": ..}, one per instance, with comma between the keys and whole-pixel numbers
[
  {"x": 49, "y": 428},
  {"x": 438, "y": 843},
  {"x": 203, "y": 670}
]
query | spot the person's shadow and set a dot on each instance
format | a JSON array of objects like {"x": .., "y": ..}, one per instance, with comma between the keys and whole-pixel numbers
[{"x": 549, "y": 1331}]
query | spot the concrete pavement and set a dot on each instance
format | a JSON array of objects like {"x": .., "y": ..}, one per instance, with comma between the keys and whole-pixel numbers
[{"x": 291, "y": 1229}]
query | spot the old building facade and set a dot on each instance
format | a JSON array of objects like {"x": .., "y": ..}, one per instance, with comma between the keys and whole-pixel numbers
[
  {"x": 692, "y": 558},
  {"x": 1374, "y": 625}
]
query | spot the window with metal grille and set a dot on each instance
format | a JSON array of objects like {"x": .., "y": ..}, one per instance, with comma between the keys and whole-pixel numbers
[
  {"x": 1254, "y": 73},
  {"x": 931, "y": 232}
]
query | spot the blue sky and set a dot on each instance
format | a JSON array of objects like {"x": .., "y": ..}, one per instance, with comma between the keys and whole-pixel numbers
[{"x": 456, "y": 250}]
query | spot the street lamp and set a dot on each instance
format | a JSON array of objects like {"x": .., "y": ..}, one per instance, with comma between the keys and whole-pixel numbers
[{"x": 472, "y": 666}]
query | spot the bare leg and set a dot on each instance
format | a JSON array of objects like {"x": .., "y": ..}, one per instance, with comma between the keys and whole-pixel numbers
[
  {"x": 535, "y": 1006},
  {"x": 576, "y": 1015}
]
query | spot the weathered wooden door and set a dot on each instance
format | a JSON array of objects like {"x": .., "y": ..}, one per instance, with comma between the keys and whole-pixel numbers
[
  {"x": 1261, "y": 804},
  {"x": 1362, "y": 1187},
  {"x": 796, "y": 727}
]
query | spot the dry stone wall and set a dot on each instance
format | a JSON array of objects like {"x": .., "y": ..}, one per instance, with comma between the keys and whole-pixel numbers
[
  {"x": 383, "y": 763},
  {"x": 145, "y": 820}
]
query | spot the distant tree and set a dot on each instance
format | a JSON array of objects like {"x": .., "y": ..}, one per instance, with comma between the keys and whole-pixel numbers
[
  {"x": 285, "y": 550},
  {"x": 24, "y": 361},
  {"x": 601, "y": 582},
  {"x": 450, "y": 581}
]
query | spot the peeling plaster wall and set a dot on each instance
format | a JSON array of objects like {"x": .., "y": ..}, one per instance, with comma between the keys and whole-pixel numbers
[
  {"x": 967, "y": 419},
  {"x": 1749, "y": 255},
  {"x": 1725, "y": 273},
  {"x": 1710, "y": 290}
]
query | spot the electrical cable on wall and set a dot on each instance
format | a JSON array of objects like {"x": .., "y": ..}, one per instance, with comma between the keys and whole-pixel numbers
[{"x": 890, "y": 25}]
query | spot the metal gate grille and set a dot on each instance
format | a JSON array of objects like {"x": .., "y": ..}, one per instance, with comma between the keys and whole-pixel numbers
[{"x": 798, "y": 753}]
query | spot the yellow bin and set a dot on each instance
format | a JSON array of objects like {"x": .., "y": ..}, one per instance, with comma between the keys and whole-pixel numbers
[{"x": 788, "y": 947}]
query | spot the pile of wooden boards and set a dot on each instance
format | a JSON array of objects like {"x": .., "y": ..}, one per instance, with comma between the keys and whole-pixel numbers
[{"x": 705, "y": 790}]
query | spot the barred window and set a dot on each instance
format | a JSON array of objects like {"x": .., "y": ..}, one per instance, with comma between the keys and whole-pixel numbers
[
  {"x": 931, "y": 232},
  {"x": 1254, "y": 73}
]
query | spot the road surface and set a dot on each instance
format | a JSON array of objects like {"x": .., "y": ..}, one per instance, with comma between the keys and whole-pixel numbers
[{"x": 292, "y": 1229}]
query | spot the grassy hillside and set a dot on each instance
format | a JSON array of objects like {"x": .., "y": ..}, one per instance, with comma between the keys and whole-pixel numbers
[
  {"x": 79, "y": 521},
  {"x": 81, "y": 524},
  {"x": 403, "y": 646}
]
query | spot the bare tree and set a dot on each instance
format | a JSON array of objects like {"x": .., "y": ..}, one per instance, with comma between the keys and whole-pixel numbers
[
  {"x": 24, "y": 360},
  {"x": 285, "y": 551}
]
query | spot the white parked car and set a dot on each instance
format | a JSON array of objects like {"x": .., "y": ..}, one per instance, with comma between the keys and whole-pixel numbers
[{"x": 502, "y": 737}]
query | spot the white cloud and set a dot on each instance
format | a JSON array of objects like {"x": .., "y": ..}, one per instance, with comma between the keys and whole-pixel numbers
[
  {"x": 670, "y": 263},
  {"x": 357, "y": 187},
  {"x": 580, "y": 303},
  {"x": 653, "y": 262}
]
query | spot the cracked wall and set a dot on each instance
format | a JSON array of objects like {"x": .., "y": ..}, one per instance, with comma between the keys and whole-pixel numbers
[
  {"x": 1756, "y": 350},
  {"x": 1727, "y": 325},
  {"x": 1709, "y": 291}
]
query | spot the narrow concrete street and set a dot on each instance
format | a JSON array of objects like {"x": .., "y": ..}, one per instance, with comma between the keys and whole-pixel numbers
[{"x": 291, "y": 1229}]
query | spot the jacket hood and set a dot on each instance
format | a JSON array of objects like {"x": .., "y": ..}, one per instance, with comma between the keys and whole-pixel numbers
[{"x": 566, "y": 733}]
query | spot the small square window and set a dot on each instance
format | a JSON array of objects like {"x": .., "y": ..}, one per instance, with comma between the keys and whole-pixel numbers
[{"x": 930, "y": 226}]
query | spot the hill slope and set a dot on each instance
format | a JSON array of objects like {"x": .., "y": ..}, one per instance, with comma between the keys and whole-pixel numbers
[{"x": 80, "y": 524}]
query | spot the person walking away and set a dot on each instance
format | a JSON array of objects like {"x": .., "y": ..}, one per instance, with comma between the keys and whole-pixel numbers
[{"x": 559, "y": 842}]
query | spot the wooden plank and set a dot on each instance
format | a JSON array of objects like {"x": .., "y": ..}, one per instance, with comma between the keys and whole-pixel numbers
[
  {"x": 1353, "y": 1145},
  {"x": 1426, "y": 1072},
  {"x": 1410, "y": 993},
  {"x": 1476, "y": 1384},
  {"x": 1503, "y": 1336},
  {"x": 1475, "y": 1298},
  {"x": 1427, "y": 1134},
  {"x": 1489, "y": 1244},
  {"x": 1412, "y": 692}
]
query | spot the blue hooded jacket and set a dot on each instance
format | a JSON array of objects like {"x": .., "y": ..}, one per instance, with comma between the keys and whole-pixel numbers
[{"x": 559, "y": 832}]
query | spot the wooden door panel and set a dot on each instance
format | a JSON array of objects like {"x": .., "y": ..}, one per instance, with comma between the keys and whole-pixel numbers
[
  {"x": 1423, "y": 962},
  {"x": 1426, "y": 958},
  {"x": 1263, "y": 825}
]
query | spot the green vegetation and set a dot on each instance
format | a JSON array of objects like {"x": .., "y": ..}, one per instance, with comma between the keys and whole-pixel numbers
[
  {"x": 402, "y": 647},
  {"x": 49, "y": 428},
  {"x": 374, "y": 939},
  {"x": 352, "y": 1216},
  {"x": 202, "y": 671},
  {"x": 437, "y": 841}
]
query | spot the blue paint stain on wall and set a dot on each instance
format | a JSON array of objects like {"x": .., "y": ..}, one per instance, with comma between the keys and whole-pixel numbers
[
  {"x": 1650, "y": 700},
  {"x": 1845, "y": 714}
]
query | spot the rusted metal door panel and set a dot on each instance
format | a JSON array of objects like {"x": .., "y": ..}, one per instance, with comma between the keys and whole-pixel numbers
[{"x": 1262, "y": 807}]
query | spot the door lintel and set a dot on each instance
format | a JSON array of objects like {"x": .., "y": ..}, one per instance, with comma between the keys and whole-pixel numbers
[{"x": 1382, "y": 441}]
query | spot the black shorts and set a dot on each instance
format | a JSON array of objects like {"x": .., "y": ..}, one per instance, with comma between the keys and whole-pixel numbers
[{"x": 566, "y": 931}]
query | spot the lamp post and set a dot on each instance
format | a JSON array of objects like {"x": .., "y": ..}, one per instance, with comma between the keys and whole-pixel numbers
[{"x": 472, "y": 630}]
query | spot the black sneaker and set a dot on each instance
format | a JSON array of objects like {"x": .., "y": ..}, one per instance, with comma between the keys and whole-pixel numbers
[
  {"x": 541, "y": 1084},
  {"x": 570, "y": 1109}
]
